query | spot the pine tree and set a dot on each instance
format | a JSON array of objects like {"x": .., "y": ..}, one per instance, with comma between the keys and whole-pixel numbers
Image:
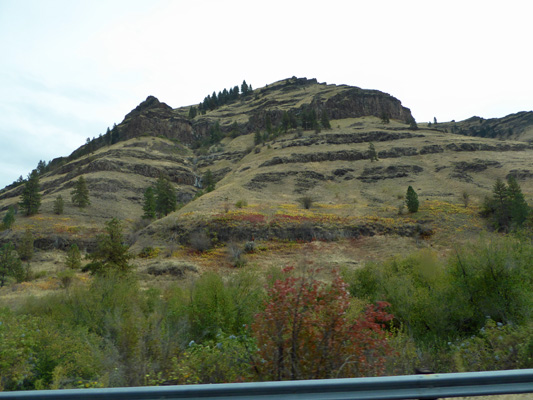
[
  {"x": 10, "y": 264},
  {"x": 165, "y": 197},
  {"x": 244, "y": 88},
  {"x": 73, "y": 260},
  {"x": 268, "y": 124},
  {"x": 285, "y": 121},
  {"x": 59, "y": 205},
  {"x": 324, "y": 120},
  {"x": 107, "y": 136},
  {"x": 149, "y": 204},
  {"x": 235, "y": 130},
  {"x": 372, "y": 154},
  {"x": 41, "y": 167},
  {"x": 31, "y": 199},
  {"x": 115, "y": 135},
  {"x": 208, "y": 181},
  {"x": 411, "y": 200},
  {"x": 25, "y": 249},
  {"x": 80, "y": 193},
  {"x": 501, "y": 205},
  {"x": 111, "y": 253},
  {"x": 215, "y": 134},
  {"x": 9, "y": 218},
  {"x": 506, "y": 207},
  {"x": 192, "y": 112},
  {"x": 518, "y": 207},
  {"x": 258, "y": 138}
]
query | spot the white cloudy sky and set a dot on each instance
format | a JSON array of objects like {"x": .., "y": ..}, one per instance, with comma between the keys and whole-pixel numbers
[{"x": 69, "y": 69}]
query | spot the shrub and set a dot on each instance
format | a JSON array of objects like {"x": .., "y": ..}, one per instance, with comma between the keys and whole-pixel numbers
[
  {"x": 497, "y": 346},
  {"x": 249, "y": 247},
  {"x": 306, "y": 331},
  {"x": 235, "y": 255},
  {"x": 200, "y": 241},
  {"x": 241, "y": 203},
  {"x": 149, "y": 252},
  {"x": 66, "y": 277},
  {"x": 306, "y": 202},
  {"x": 223, "y": 359}
]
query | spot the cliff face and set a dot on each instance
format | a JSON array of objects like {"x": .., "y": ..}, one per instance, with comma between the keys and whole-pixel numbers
[
  {"x": 295, "y": 95},
  {"x": 154, "y": 118},
  {"x": 354, "y": 102}
]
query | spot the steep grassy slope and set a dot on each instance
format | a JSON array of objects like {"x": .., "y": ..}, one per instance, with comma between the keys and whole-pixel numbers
[{"x": 353, "y": 197}]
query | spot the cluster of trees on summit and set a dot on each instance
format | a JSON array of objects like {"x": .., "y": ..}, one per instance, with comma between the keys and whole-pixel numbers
[{"x": 223, "y": 97}]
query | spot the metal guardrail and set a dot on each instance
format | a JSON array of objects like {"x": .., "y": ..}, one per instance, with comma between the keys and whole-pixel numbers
[{"x": 430, "y": 386}]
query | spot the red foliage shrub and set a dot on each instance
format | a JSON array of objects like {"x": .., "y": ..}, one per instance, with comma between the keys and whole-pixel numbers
[{"x": 305, "y": 332}]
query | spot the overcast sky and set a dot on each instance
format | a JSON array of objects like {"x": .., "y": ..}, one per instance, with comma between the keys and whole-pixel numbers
[{"x": 70, "y": 69}]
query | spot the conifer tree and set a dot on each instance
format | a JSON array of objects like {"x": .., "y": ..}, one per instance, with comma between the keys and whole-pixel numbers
[
  {"x": 149, "y": 204},
  {"x": 208, "y": 181},
  {"x": 165, "y": 197},
  {"x": 518, "y": 207},
  {"x": 268, "y": 124},
  {"x": 372, "y": 154},
  {"x": 59, "y": 205},
  {"x": 411, "y": 200},
  {"x": 73, "y": 260},
  {"x": 115, "y": 135},
  {"x": 10, "y": 264},
  {"x": 235, "y": 130},
  {"x": 25, "y": 249},
  {"x": 244, "y": 88},
  {"x": 258, "y": 138},
  {"x": 324, "y": 120},
  {"x": 507, "y": 206},
  {"x": 80, "y": 193},
  {"x": 9, "y": 218},
  {"x": 285, "y": 121},
  {"x": 111, "y": 253},
  {"x": 31, "y": 199},
  {"x": 501, "y": 204},
  {"x": 41, "y": 167}
]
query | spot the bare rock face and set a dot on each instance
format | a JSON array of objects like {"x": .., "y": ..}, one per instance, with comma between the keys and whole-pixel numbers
[
  {"x": 357, "y": 102},
  {"x": 154, "y": 118}
]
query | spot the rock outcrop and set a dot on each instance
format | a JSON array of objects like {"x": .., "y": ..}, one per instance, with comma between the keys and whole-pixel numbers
[{"x": 154, "y": 118}]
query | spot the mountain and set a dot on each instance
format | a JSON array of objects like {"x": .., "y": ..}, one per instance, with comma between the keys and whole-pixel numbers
[{"x": 258, "y": 159}]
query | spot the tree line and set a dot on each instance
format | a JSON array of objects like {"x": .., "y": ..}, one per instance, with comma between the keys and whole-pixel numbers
[{"x": 225, "y": 96}]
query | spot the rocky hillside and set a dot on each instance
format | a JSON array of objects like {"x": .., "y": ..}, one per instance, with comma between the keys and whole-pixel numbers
[
  {"x": 267, "y": 170},
  {"x": 517, "y": 126}
]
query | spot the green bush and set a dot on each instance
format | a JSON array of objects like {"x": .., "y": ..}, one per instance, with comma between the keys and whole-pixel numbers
[
  {"x": 37, "y": 353},
  {"x": 218, "y": 306},
  {"x": 241, "y": 203},
  {"x": 486, "y": 279},
  {"x": 224, "y": 359},
  {"x": 495, "y": 347}
]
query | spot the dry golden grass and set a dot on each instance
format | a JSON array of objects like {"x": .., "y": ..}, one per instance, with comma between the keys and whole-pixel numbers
[{"x": 439, "y": 191}]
